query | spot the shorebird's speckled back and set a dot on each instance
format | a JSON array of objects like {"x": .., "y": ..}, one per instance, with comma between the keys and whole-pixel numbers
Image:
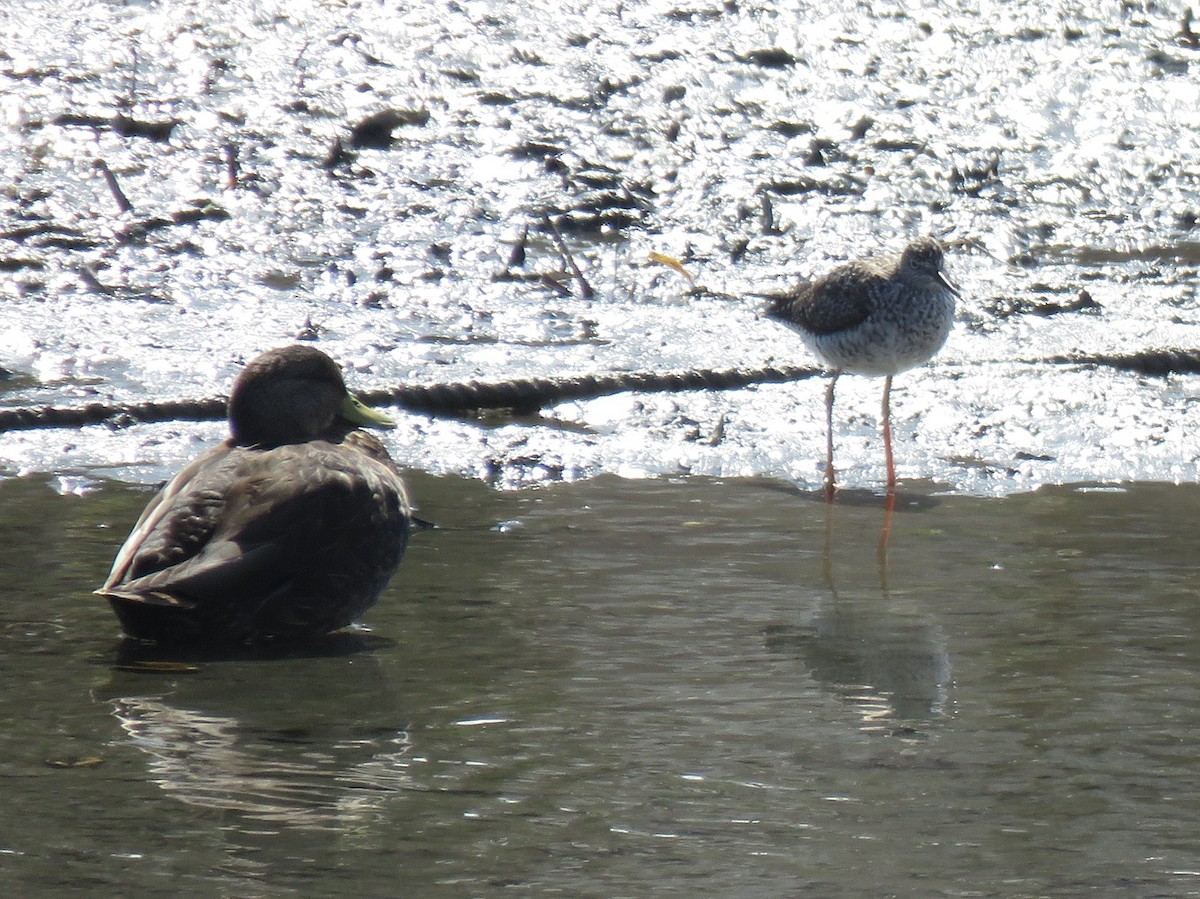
[{"x": 874, "y": 316}]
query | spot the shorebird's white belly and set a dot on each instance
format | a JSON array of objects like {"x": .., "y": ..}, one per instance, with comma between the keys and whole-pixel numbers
[{"x": 892, "y": 339}]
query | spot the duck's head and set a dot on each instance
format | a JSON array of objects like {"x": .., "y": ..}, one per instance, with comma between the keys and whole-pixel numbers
[{"x": 294, "y": 394}]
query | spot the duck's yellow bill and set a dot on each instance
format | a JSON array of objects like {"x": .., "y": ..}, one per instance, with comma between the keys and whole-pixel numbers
[{"x": 354, "y": 410}]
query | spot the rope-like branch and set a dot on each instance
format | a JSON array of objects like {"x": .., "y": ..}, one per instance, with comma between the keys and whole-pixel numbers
[
  {"x": 114, "y": 414},
  {"x": 525, "y": 395},
  {"x": 521, "y": 395},
  {"x": 531, "y": 394},
  {"x": 1158, "y": 363}
]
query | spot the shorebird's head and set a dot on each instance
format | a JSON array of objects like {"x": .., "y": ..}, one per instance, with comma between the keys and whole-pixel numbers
[{"x": 922, "y": 260}]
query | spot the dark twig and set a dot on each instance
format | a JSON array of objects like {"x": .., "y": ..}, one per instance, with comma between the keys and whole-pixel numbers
[
  {"x": 229, "y": 156},
  {"x": 516, "y": 258},
  {"x": 128, "y": 100},
  {"x": 121, "y": 124},
  {"x": 585, "y": 289},
  {"x": 114, "y": 186},
  {"x": 557, "y": 286},
  {"x": 87, "y": 275}
]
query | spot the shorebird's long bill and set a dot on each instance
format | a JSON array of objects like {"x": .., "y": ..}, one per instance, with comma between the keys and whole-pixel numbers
[
  {"x": 355, "y": 410},
  {"x": 948, "y": 284}
]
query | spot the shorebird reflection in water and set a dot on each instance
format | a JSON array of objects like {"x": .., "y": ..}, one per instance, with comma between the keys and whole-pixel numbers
[{"x": 876, "y": 316}]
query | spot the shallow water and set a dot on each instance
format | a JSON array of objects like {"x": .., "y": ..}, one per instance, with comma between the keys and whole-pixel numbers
[{"x": 629, "y": 688}]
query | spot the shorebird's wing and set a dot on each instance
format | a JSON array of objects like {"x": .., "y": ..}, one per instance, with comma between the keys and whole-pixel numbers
[{"x": 829, "y": 304}]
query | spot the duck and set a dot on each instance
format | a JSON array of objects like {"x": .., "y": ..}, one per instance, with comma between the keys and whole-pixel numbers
[{"x": 289, "y": 529}]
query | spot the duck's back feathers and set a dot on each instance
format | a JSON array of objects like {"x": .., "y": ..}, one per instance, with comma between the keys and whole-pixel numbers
[{"x": 252, "y": 543}]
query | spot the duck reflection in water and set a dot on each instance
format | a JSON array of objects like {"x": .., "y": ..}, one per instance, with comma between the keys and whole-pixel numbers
[
  {"x": 288, "y": 530},
  {"x": 321, "y": 742}
]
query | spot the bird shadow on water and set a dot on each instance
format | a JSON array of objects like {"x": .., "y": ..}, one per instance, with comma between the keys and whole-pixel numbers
[{"x": 142, "y": 655}]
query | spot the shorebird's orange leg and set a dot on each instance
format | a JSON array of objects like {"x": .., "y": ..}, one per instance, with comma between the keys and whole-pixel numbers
[
  {"x": 889, "y": 507},
  {"x": 829, "y": 472},
  {"x": 887, "y": 432}
]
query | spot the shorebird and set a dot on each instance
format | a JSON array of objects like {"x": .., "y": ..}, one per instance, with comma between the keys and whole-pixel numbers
[{"x": 877, "y": 316}]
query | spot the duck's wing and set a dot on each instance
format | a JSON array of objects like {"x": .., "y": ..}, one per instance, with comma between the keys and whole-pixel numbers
[
  {"x": 175, "y": 524},
  {"x": 241, "y": 529}
]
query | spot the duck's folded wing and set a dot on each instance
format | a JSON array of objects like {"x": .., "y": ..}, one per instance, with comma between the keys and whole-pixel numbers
[
  {"x": 223, "y": 570},
  {"x": 176, "y": 523},
  {"x": 241, "y": 534},
  {"x": 210, "y": 541}
]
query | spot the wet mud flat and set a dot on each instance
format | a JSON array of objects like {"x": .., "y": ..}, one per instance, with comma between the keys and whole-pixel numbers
[
  {"x": 476, "y": 193},
  {"x": 589, "y": 688}
]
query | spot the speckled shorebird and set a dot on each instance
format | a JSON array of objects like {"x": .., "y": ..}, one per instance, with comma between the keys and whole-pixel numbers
[{"x": 874, "y": 317}]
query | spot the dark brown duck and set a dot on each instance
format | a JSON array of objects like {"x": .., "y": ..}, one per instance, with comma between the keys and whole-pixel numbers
[{"x": 289, "y": 529}]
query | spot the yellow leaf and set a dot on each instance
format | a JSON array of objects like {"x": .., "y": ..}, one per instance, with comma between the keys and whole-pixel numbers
[{"x": 671, "y": 262}]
